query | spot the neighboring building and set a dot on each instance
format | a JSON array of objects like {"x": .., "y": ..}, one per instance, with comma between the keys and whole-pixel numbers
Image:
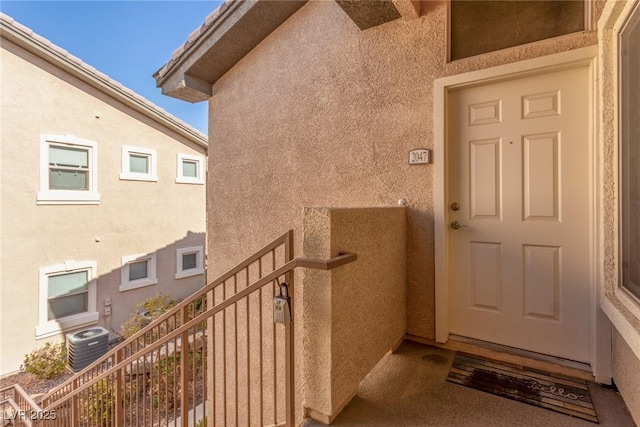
[
  {"x": 102, "y": 195},
  {"x": 320, "y": 103}
]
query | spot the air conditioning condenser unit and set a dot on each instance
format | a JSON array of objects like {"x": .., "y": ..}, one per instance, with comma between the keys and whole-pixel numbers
[{"x": 86, "y": 346}]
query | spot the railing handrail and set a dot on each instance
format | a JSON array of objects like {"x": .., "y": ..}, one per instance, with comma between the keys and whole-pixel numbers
[
  {"x": 327, "y": 264},
  {"x": 22, "y": 393},
  {"x": 149, "y": 348},
  {"x": 173, "y": 311},
  {"x": 24, "y": 396}
]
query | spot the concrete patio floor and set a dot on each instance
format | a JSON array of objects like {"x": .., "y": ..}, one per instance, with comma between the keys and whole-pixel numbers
[{"x": 409, "y": 388}]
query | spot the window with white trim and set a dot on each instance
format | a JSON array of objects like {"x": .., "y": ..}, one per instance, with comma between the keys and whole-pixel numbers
[
  {"x": 67, "y": 297},
  {"x": 189, "y": 261},
  {"x": 138, "y": 271},
  {"x": 139, "y": 164},
  {"x": 629, "y": 66},
  {"x": 68, "y": 170},
  {"x": 190, "y": 169}
]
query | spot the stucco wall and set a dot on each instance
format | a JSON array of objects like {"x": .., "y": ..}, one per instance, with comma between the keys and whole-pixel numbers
[
  {"x": 323, "y": 114},
  {"x": 626, "y": 373},
  {"x": 132, "y": 217},
  {"x": 355, "y": 314}
]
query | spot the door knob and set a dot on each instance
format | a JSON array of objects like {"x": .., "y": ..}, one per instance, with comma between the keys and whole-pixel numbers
[{"x": 456, "y": 225}]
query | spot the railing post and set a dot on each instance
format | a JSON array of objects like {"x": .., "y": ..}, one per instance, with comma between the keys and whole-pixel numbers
[
  {"x": 74, "y": 405},
  {"x": 289, "y": 350},
  {"x": 119, "y": 394},
  {"x": 184, "y": 369}
]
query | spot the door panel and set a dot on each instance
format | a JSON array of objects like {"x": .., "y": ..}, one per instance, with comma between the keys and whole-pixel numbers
[
  {"x": 540, "y": 177},
  {"x": 484, "y": 159},
  {"x": 518, "y": 166},
  {"x": 486, "y": 271}
]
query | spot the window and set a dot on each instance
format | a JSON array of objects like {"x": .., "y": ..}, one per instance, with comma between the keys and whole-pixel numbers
[
  {"x": 190, "y": 169},
  {"x": 629, "y": 57},
  {"x": 482, "y": 26},
  {"x": 68, "y": 170},
  {"x": 67, "y": 297},
  {"x": 138, "y": 271},
  {"x": 139, "y": 164},
  {"x": 190, "y": 262}
]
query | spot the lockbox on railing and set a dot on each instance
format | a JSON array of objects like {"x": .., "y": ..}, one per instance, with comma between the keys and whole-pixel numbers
[{"x": 86, "y": 346}]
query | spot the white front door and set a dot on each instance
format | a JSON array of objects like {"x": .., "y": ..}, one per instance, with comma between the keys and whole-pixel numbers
[{"x": 518, "y": 206}]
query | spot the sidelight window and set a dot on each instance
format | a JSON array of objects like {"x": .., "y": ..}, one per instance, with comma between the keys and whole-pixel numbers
[{"x": 629, "y": 57}]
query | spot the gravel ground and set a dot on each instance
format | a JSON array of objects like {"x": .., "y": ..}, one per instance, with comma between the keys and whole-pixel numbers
[{"x": 33, "y": 385}]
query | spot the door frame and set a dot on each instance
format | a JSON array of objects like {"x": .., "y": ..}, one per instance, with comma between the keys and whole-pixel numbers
[{"x": 600, "y": 333}]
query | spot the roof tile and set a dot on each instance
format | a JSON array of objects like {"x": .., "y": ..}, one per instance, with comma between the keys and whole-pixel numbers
[{"x": 209, "y": 21}]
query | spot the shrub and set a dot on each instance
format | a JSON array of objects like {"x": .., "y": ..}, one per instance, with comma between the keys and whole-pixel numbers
[
  {"x": 146, "y": 312},
  {"x": 46, "y": 362},
  {"x": 99, "y": 403}
]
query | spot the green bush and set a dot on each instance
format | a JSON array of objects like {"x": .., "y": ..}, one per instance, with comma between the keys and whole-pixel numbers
[
  {"x": 99, "y": 404},
  {"x": 46, "y": 362},
  {"x": 147, "y": 311}
]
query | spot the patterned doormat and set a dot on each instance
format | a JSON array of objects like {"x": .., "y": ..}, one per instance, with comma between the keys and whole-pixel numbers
[{"x": 539, "y": 388}]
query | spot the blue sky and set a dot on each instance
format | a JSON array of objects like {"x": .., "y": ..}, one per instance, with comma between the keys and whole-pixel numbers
[{"x": 126, "y": 40}]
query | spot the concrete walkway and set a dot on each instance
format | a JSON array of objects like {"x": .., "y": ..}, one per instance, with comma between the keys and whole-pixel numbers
[{"x": 409, "y": 388}]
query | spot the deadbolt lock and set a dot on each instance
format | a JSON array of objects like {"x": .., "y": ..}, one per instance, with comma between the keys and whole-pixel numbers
[{"x": 455, "y": 206}]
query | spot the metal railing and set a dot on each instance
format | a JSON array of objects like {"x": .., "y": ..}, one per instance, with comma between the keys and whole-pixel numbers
[
  {"x": 218, "y": 352},
  {"x": 17, "y": 407}
]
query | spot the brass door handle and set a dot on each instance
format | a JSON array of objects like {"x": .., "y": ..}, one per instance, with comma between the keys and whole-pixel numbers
[{"x": 456, "y": 225}]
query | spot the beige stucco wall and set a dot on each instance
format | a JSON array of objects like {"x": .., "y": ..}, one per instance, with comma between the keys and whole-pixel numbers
[
  {"x": 132, "y": 217},
  {"x": 355, "y": 314},
  {"x": 323, "y": 114},
  {"x": 626, "y": 373}
]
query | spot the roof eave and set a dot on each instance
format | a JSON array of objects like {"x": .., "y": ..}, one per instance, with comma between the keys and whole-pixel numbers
[
  {"x": 228, "y": 35},
  {"x": 238, "y": 26},
  {"x": 44, "y": 49}
]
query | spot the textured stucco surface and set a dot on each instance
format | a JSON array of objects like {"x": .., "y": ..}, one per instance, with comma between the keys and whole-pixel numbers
[
  {"x": 323, "y": 114},
  {"x": 367, "y": 14},
  {"x": 132, "y": 217},
  {"x": 626, "y": 374},
  {"x": 317, "y": 358},
  {"x": 355, "y": 314}
]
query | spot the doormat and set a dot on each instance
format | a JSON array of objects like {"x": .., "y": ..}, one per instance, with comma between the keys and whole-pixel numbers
[{"x": 556, "y": 392}]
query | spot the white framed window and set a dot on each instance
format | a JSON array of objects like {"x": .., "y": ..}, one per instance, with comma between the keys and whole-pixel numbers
[
  {"x": 68, "y": 170},
  {"x": 190, "y": 169},
  {"x": 138, "y": 271},
  {"x": 67, "y": 297},
  {"x": 139, "y": 164},
  {"x": 189, "y": 261}
]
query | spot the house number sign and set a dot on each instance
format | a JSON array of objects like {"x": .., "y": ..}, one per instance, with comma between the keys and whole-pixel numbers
[{"x": 421, "y": 156}]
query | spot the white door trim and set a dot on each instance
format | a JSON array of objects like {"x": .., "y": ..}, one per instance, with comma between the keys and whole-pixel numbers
[{"x": 585, "y": 57}]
